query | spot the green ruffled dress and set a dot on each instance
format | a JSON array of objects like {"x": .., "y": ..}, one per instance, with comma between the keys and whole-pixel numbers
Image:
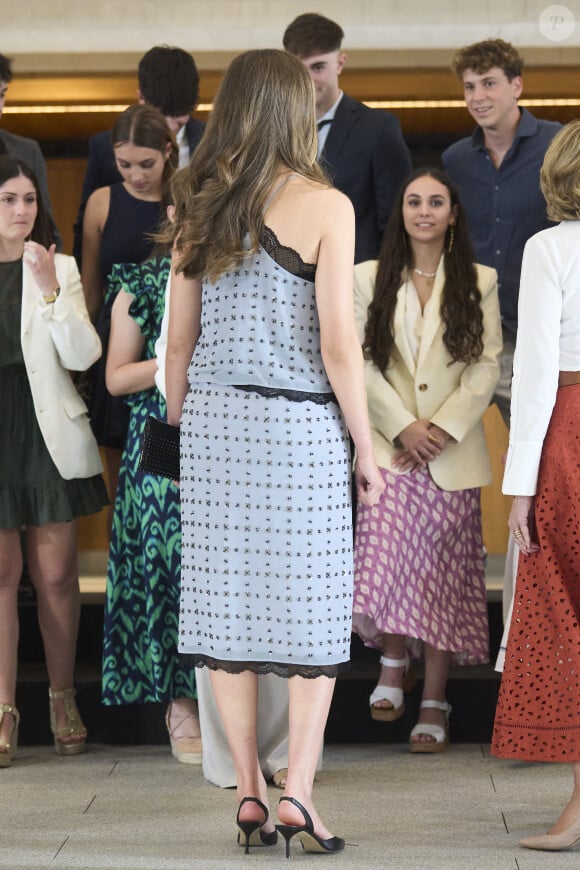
[
  {"x": 140, "y": 658},
  {"x": 32, "y": 492}
]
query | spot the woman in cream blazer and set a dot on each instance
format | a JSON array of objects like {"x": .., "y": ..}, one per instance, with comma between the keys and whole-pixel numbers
[
  {"x": 49, "y": 461},
  {"x": 428, "y": 319}
]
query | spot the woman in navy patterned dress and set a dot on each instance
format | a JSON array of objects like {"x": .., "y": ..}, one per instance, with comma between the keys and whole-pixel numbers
[{"x": 140, "y": 660}]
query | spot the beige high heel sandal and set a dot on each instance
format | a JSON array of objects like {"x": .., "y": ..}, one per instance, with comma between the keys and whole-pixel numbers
[
  {"x": 188, "y": 750},
  {"x": 71, "y": 738},
  {"x": 279, "y": 777},
  {"x": 8, "y": 750}
]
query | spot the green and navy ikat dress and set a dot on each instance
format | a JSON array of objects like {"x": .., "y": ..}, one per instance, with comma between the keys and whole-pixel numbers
[{"x": 140, "y": 660}]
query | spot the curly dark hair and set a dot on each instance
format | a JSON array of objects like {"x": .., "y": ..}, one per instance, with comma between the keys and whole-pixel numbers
[
  {"x": 460, "y": 301},
  {"x": 482, "y": 56}
]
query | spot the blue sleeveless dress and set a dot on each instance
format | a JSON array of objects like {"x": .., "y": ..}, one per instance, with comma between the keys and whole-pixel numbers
[{"x": 267, "y": 572}]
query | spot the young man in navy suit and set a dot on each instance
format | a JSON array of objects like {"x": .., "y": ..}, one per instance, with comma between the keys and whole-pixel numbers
[
  {"x": 362, "y": 149},
  {"x": 168, "y": 79}
]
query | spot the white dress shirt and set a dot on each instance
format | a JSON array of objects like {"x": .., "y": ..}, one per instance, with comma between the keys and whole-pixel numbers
[
  {"x": 323, "y": 124},
  {"x": 183, "y": 146},
  {"x": 548, "y": 342}
]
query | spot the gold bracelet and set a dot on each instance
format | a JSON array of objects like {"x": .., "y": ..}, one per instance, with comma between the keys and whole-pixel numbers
[{"x": 53, "y": 298}]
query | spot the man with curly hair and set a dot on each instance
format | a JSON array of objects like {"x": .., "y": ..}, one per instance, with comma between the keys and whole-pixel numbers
[{"x": 497, "y": 172}]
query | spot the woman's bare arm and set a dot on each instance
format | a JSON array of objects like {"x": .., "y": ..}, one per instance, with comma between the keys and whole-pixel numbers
[
  {"x": 125, "y": 371},
  {"x": 184, "y": 328},
  {"x": 341, "y": 350},
  {"x": 94, "y": 220}
]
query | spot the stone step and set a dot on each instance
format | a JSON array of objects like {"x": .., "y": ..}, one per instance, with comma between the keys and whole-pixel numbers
[{"x": 472, "y": 691}]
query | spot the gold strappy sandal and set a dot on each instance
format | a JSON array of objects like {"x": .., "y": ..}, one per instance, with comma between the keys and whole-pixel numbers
[
  {"x": 72, "y": 737},
  {"x": 8, "y": 750}
]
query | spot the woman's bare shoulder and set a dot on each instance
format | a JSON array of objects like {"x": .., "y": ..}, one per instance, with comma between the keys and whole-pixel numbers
[{"x": 324, "y": 195}]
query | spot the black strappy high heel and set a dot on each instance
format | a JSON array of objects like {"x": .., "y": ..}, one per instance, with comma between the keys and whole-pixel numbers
[
  {"x": 252, "y": 833},
  {"x": 311, "y": 842}
]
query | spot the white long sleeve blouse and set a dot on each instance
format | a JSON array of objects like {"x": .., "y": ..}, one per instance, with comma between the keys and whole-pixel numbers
[{"x": 548, "y": 341}]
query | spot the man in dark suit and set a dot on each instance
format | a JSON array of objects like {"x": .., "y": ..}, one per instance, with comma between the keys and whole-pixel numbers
[
  {"x": 25, "y": 149},
  {"x": 362, "y": 149},
  {"x": 168, "y": 79}
]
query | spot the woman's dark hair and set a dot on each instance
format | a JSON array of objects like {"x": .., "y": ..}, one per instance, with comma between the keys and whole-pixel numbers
[
  {"x": 460, "y": 301},
  {"x": 12, "y": 168}
]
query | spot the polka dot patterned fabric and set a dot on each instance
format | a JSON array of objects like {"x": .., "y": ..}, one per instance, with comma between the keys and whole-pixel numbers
[
  {"x": 265, "y": 481},
  {"x": 538, "y": 712}
]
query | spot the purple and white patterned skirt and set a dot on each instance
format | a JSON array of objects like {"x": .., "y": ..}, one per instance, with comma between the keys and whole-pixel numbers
[{"x": 419, "y": 568}]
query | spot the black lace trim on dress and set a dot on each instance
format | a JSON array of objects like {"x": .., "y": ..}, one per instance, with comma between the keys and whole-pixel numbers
[
  {"x": 281, "y": 669},
  {"x": 288, "y": 258},
  {"x": 291, "y": 395}
]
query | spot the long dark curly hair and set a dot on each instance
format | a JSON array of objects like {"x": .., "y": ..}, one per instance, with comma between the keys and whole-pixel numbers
[{"x": 460, "y": 301}]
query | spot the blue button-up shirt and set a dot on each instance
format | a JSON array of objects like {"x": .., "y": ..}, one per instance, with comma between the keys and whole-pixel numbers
[{"x": 504, "y": 206}]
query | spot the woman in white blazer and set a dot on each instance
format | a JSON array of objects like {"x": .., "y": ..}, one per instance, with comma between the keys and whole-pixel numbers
[
  {"x": 428, "y": 319},
  {"x": 50, "y": 469}
]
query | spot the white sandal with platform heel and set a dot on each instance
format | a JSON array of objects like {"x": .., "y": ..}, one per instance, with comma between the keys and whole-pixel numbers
[
  {"x": 393, "y": 695},
  {"x": 440, "y": 735}
]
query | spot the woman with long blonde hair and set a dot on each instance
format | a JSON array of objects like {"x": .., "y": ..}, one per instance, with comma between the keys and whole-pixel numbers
[{"x": 264, "y": 373}]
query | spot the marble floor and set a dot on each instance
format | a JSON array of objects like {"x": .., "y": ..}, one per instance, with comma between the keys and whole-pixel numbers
[{"x": 136, "y": 807}]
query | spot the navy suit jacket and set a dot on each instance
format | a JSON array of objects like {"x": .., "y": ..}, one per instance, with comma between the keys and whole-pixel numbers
[
  {"x": 367, "y": 159},
  {"x": 102, "y": 171}
]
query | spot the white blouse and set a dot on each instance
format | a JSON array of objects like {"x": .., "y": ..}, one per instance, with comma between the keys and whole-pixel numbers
[
  {"x": 414, "y": 319},
  {"x": 548, "y": 341}
]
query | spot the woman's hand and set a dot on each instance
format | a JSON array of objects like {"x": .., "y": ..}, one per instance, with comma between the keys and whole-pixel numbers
[
  {"x": 439, "y": 436},
  {"x": 404, "y": 462},
  {"x": 369, "y": 481},
  {"x": 40, "y": 261},
  {"x": 521, "y": 521},
  {"x": 422, "y": 442}
]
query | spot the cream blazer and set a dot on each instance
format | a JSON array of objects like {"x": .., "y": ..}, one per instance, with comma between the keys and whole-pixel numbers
[
  {"x": 58, "y": 337},
  {"x": 453, "y": 395}
]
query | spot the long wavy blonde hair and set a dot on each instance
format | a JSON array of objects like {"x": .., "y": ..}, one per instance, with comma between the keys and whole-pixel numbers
[{"x": 262, "y": 124}]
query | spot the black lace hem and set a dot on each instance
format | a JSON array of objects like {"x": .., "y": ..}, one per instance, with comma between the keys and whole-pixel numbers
[
  {"x": 288, "y": 258},
  {"x": 291, "y": 395},
  {"x": 281, "y": 669}
]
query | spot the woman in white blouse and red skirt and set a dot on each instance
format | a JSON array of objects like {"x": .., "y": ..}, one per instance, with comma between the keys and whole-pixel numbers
[{"x": 538, "y": 713}]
